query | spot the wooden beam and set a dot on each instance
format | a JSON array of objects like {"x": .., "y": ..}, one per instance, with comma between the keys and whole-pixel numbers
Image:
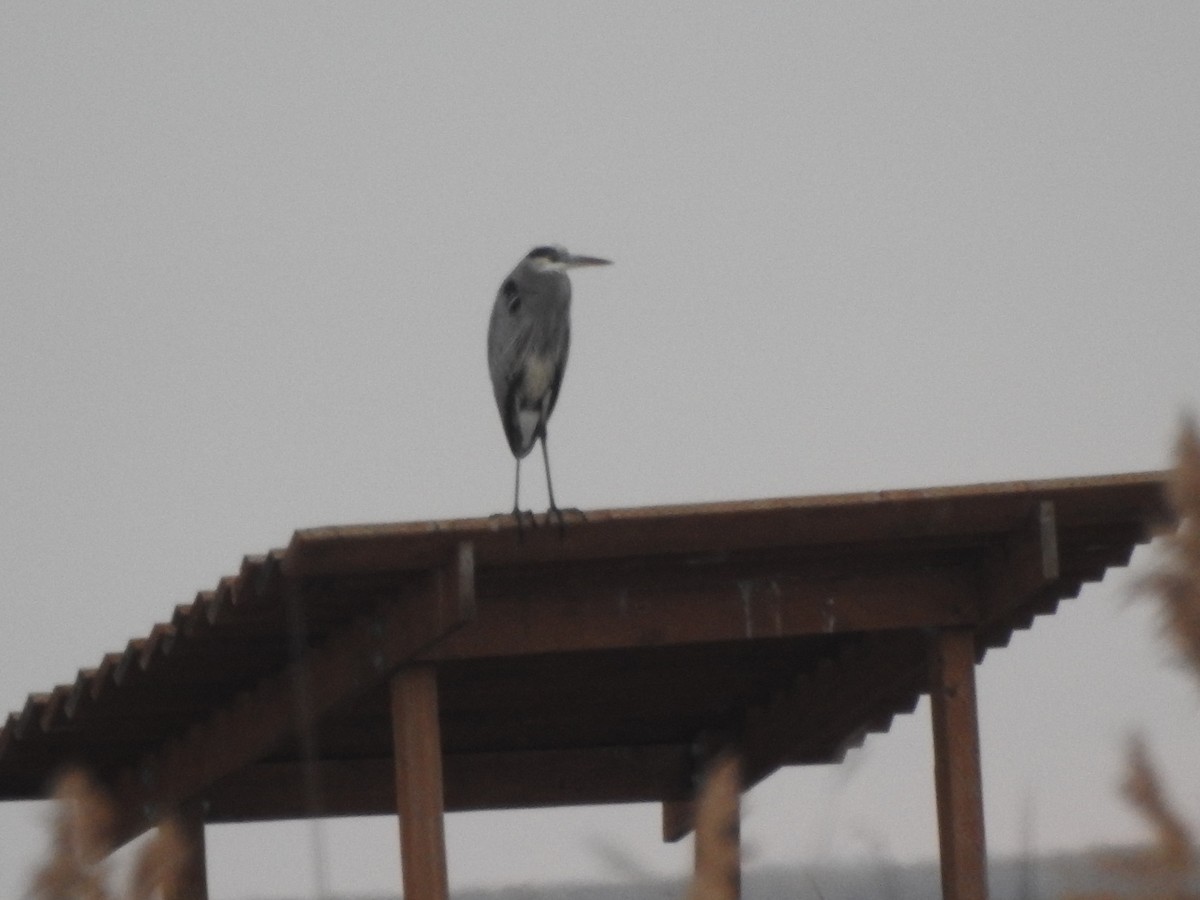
[
  {"x": 597, "y": 606},
  {"x": 1023, "y": 566},
  {"x": 419, "y": 792},
  {"x": 710, "y": 754},
  {"x": 350, "y": 661},
  {"x": 473, "y": 781},
  {"x": 678, "y": 819},
  {"x": 904, "y": 516},
  {"x": 957, "y": 766}
]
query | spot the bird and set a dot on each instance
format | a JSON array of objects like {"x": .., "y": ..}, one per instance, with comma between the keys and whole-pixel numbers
[{"x": 528, "y": 338}]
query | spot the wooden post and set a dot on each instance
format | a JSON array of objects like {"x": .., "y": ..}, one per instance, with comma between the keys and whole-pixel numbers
[
  {"x": 956, "y": 766},
  {"x": 718, "y": 866},
  {"x": 190, "y": 881},
  {"x": 419, "y": 792}
]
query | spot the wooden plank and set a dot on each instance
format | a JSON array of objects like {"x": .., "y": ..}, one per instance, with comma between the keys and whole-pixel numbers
[
  {"x": 895, "y": 516},
  {"x": 563, "y": 609},
  {"x": 350, "y": 661},
  {"x": 957, "y": 767},
  {"x": 419, "y": 792},
  {"x": 1025, "y": 565},
  {"x": 472, "y": 781},
  {"x": 571, "y": 776}
]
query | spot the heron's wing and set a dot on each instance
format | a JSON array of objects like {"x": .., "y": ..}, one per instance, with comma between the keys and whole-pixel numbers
[
  {"x": 510, "y": 337},
  {"x": 560, "y": 366}
]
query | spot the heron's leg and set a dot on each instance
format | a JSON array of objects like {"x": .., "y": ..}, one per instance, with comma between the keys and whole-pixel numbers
[
  {"x": 519, "y": 514},
  {"x": 517, "y": 492},
  {"x": 549, "y": 486},
  {"x": 554, "y": 511}
]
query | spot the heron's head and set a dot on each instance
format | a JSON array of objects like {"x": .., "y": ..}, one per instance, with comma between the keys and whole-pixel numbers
[{"x": 553, "y": 258}]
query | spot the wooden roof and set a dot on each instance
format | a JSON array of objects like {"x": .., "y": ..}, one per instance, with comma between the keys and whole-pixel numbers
[{"x": 592, "y": 666}]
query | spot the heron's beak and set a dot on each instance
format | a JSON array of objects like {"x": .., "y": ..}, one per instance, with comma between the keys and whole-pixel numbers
[{"x": 576, "y": 262}]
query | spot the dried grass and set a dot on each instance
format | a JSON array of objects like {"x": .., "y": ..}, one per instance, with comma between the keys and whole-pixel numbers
[
  {"x": 83, "y": 826},
  {"x": 1172, "y": 850},
  {"x": 1164, "y": 868},
  {"x": 84, "y": 834},
  {"x": 1177, "y": 583},
  {"x": 1167, "y": 866},
  {"x": 160, "y": 867}
]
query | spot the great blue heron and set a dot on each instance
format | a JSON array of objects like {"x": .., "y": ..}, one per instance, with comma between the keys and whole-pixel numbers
[{"x": 528, "y": 339}]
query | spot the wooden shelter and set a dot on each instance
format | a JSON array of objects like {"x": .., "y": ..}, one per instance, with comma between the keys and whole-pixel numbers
[{"x": 456, "y": 665}]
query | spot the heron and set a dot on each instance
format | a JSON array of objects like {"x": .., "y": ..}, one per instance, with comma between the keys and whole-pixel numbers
[{"x": 528, "y": 338}]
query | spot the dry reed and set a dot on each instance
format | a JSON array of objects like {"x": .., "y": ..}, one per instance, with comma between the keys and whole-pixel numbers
[
  {"x": 160, "y": 867},
  {"x": 1167, "y": 867},
  {"x": 84, "y": 834},
  {"x": 1172, "y": 850},
  {"x": 1177, "y": 584},
  {"x": 81, "y": 840}
]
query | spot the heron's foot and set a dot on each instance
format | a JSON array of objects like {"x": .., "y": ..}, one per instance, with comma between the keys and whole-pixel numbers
[
  {"x": 560, "y": 514},
  {"x": 521, "y": 515},
  {"x": 523, "y": 518}
]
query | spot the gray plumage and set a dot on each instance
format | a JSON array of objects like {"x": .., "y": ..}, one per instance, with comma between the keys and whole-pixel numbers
[{"x": 528, "y": 340}]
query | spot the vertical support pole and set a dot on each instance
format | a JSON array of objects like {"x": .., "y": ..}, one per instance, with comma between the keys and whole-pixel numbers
[
  {"x": 718, "y": 821},
  {"x": 419, "y": 794},
  {"x": 957, "y": 768},
  {"x": 190, "y": 881}
]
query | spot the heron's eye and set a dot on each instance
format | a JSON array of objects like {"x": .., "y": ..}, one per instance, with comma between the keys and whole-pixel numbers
[{"x": 514, "y": 297}]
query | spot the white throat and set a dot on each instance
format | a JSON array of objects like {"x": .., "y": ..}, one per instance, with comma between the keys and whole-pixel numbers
[{"x": 542, "y": 264}]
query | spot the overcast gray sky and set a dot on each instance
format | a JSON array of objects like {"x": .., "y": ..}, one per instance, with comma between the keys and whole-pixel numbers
[{"x": 248, "y": 252}]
